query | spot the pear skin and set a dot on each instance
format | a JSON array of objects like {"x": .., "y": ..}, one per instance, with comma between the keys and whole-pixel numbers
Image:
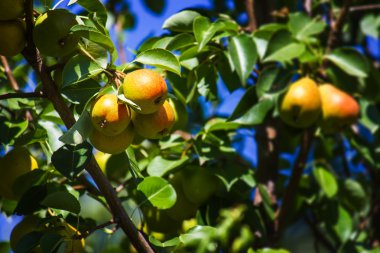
[
  {"x": 146, "y": 88},
  {"x": 12, "y": 39},
  {"x": 109, "y": 117},
  {"x": 112, "y": 144},
  {"x": 301, "y": 105},
  {"x": 11, "y": 9},
  {"x": 155, "y": 125},
  {"x": 339, "y": 109}
]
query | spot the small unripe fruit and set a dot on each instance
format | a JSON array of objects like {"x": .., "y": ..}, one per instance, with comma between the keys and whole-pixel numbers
[
  {"x": 12, "y": 39},
  {"x": 155, "y": 125},
  {"x": 11, "y": 9},
  {"x": 13, "y": 165},
  {"x": 339, "y": 109},
  {"x": 146, "y": 88},
  {"x": 112, "y": 144},
  {"x": 301, "y": 105},
  {"x": 52, "y": 35},
  {"x": 108, "y": 116}
]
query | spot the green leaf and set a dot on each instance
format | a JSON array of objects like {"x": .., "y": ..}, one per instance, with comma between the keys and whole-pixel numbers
[
  {"x": 257, "y": 113},
  {"x": 204, "y": 30},
  {"x": 180, "y": 41},
  {"x": 80, "y": 131},
  {"x": 302, "y": 26},
  {"x": 158, "y": 192},
  {"x": 326, "y": 180},
  {"x": 217, "y": 124},
  {"x": 369, "y": 116},
  {"x": 96, "y": 7},
  {"x": 354, "y": 196},
  {"x": 50, "y": 242},
  {"x": 266, "y": 201},
  {"x": 161, "y": 58},
  {"x": 160, "y": 166},
  {"x": 81, "y": 92},
  {"x": 282, "y": 48},
  {"x": 243, "y": 54},
  {"x": 79, "y": 68},
  {"x": 62, "y": 200},
  {"x": 196, "y": 234},
  {"x": 343, "y": 227},
  {"x": 272, "y": 79},
  {"x": 350, "y": 61},
  {"x": 370, "y": 25},
  {"x": 97, "y": 37},
  {"x": 181, "y": 22},
  {"x": 170, "y": 243},
  {"x": 70, "y": 160}
]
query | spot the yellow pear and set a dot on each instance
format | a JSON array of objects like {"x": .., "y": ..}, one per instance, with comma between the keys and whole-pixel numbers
[
  {"x": 339, "y": 109},
  {"x": 12, "y": 39},
  {"x": 108, "y": 116},
  {"x": 112, "y": 144},
  {"x": 15, "y": 163},
  {"x": 11, "y": 9},
  {"x": 155, "y": 125},
  {"x": 146, "y": 88},
  {"x": 300, "y": 107}
]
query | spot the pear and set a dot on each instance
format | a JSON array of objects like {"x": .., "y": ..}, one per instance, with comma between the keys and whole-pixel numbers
[
  {"x": 339, "y": 109},
  {"x": 301, "y": 105},
  {"x": 11, "y": 9},
  {"x": 12, "y": 39}
]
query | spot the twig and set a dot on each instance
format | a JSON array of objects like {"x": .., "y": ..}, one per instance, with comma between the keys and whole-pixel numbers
[
  {"x": 291, "y": 190},
  {"x": 319, "y": 235},
  {"x": 368, "y": 7},
  {"x": 32, "y": 55},
  {"x": 92, "y": 230},
  {"x": 22, "y": 95},
  {"x": 9, "y": 73},
  {"x": 308, "y": 5},
  {"x": 250, "y": 8},
  {"x": 336, "y": 27}
]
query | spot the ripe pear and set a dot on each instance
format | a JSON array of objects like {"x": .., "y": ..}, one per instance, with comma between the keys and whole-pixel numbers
[
  {"x": 12, "y": 39},
  {"x": 155, "y": 125},
  {"x": 52, "y": 35},
  {"x": 108, "y": 116},
  {"x": 301, "y": 105},
  {"x": 114, "y": 166},
  {"x": 180, "y": 113},
  {"x": 14, "y": 164},
  {"x": 339, "y": 109},
  {"x": 112, "y": 144},
  {"x": 200, "y": 184},
  {"x": 146, "y": 88},
  {"x": 11, "y": 9}
]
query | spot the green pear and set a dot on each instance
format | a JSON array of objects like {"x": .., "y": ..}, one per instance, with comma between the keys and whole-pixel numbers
[
  {"x": 11, "y": 9},
  {"x": 300, "y": 107},
  {"x": 339, "y": 109},
  {"x": 12, "y": 39},
  {"x": 52, "y": 35}
]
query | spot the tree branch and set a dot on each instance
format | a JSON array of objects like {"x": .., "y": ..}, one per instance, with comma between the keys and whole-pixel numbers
[
  {"x": 291, "y": 190},
  {"x": 368, "y": 7},
  {"x": 32, "y": 55},
  {"x": 336, "y": 27},
  {"x": 8, "y": 72},
  {"x": 308, "y": 5},
  {"x": 90, "y": 231},
  {"x": 22, "y": 95},
  {"x": 250, "y": 8}
]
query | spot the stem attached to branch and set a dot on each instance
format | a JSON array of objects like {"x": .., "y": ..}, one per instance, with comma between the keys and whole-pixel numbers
[
  {"x": 336, "y": 27},
  {"x": 32, "y": 55},
  {"x": 22, "y": 95},
  {"x": 252, "y": 24},
  {"x": 8, "y": 72},
  {"x": 295, "y": 178},
  {"x": 368, "y": 7}
]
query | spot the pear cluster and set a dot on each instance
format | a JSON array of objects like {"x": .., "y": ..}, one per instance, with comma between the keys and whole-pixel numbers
[
  {"x": 305, "y": 104},
  {"x": 115, "y": 123},
  {"x": 12, "y": 27}
]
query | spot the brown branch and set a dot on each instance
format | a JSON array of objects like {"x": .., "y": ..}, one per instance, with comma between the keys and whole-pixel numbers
[
  {"x": 291, "y": 190},
  {"x": 120, "y": 216},
  {"x": 308, "y": 5},
  {"x": 250, "y": 8},
  {"x": 22, "y": 95},
  {"x": 8, "y": 72},
  {"x": 368, "y": 7},
  {"x": 336, "y": 26}
]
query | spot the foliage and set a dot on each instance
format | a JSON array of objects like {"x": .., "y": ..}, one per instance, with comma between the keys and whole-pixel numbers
[{"x": 203, "y": 55}]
